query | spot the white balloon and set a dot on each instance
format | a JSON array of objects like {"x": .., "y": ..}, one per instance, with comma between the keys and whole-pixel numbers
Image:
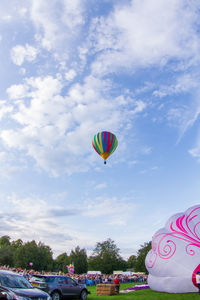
[{"x": 174, "y": 259}]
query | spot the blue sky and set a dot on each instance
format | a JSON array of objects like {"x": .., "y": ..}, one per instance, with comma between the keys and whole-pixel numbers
[{"x": 70, "y": 69}]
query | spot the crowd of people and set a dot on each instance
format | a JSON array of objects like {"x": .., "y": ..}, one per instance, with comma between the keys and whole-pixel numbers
[
  {"x": 88, "y": 279},
  {"x": 97, "y": 279}
]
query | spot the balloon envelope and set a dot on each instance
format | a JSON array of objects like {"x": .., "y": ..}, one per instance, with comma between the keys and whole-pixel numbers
[
  {"x": 105, "y": 143},
  {"x": 174, "y": 259}
]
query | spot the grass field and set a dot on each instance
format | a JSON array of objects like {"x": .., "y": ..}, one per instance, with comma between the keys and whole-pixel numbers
[{"x": 147, "y": 294}]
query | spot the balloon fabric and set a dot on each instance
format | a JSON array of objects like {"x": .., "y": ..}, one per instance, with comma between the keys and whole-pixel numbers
[
  {"x": 105, "y": 144},
  {"x": 174, "y": 260}
]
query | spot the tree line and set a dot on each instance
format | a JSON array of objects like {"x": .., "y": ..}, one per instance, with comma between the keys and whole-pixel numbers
[{"x": 38, "y": 256}]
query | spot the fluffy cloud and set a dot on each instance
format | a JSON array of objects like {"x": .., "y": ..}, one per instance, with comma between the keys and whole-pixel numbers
[
  {"x": 70, "y": 75},
  {"x": 57, "y": 23},
  {"x": 195, "y": 151},
  {"x": 56, "y": 120},
  {"x": 101, "y": 186},
  {"x": 4, "y": 109},
  {"x": 58, "y": 218},
  {"x": 20, "y": 53},
  {"x": 116, "y": 210},
  {"x": 145, "y": 33},
  {"x": 57, "y": 130},
  {"x": 38, "y": 222}
]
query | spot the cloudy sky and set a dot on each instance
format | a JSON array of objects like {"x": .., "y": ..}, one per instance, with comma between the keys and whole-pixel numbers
[{"x": 72, "y": 68}]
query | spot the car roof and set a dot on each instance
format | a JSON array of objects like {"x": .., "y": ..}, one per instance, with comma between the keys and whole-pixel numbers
[
  {"x": 4, "y": 272},
  {"x": 48, "y": 275}
]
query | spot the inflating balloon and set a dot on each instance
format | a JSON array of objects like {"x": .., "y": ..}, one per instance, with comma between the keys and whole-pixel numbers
[
  {"x": 174, "y": 259},
  {"x": 70, "y": 268},
  {"x": 105, "y": 144}
]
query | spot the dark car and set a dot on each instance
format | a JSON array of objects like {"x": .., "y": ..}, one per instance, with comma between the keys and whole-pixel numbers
[
  {"x": 60, "y": 286},
  {"x": 15, "y": 286}
]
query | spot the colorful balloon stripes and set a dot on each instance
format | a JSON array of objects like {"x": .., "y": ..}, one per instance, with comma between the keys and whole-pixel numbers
[{"x": 105, "y": 144}]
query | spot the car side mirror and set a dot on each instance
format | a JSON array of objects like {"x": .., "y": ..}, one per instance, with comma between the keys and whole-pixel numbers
[{"x": 3, "y": 295}]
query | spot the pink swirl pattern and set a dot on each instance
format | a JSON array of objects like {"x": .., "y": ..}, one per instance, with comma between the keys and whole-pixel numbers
[{"x": 185, "y": 227}]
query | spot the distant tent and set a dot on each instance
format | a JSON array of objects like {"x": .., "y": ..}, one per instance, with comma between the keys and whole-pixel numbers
[
  {"x": 117, "y": 272},
  {"x": 94, "y": 272}
]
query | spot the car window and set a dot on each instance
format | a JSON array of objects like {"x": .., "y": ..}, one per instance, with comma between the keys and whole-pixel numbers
[
  {"x": 42, "y": 279},
  {"x": 61, "y": 280},
  {"x": 50, "y": 279},
  {"x": 13, "y": 281},
  {"x": 34, "y": 278},
  {"x": 70, "y": 281}
]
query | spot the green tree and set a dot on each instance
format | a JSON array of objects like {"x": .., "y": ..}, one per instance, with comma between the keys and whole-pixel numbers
[
  {"x": 131, "y": 262},
  {"x": 4, "y": 241},
  {"x": 79, "y": 258},
  {"x": 6, "y": 256},
  {"x": 106, "y": 258},
  {"x": 25, "y": 254},
  {"x": 16, "y": 244},
  {"x": 61, "y": 262},
  {"x": 6, "y": 251},
  {"x": 40, "y": 255},
  {"x": 141, "y": 255},
  {"x": 45, "y": 257}
]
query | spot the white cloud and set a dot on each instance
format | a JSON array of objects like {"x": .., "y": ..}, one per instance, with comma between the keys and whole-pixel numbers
[
  {"x": 57, "y": 23},
  {"x": 57, "y": 130},
  {"x": 144, "y": 33},
  {"x": 17, "y": 91},
  {"x": 10, "y": 11},
  {"x": 6, "y": 18},
  {"x": 36, "y": 223},
  {"x": 133, "y": 162},
  {"x": 118, "y": 222},
  {"x": 47, "y": 217},
  {"x": 195, "y": 151},
  {"x": 19, "y": 54},
  {"x": 183, "y": 84},
  {"x": 146, "y": 150},
  {"x": 70, "y": 75},
  {"x": 4, "y": 109},
  {"x": 184, "y": 117},
  {"x": 10, "y": 164},
  {"x": 100, "y": 186},
  {"x": 116, "y": 211},
  {"x": 182, "y": 113}
]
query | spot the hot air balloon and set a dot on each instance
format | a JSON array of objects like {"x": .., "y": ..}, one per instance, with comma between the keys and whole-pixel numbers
[
  {"x": 174, "y": 260},
  {"x": 105, "y": 144}
]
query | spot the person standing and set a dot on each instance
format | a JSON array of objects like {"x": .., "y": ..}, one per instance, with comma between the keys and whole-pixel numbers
[
  {"x": 117, "y": 285},
  {"x": 198, "y": 280}
]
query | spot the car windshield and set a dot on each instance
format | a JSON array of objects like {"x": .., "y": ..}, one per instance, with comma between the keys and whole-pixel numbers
[
  {"x": 14, "y": 281},
  {"x": 42, "y": 279},
  {"x": 34, "y": 278}
]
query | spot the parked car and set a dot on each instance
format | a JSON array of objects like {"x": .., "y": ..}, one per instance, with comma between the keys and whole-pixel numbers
[
  {"x": 15, "y": 287},
  {"x": 59, "y": 286}
]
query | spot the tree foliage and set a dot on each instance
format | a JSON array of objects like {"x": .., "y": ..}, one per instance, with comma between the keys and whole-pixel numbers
[
  {"x": 19, "y": 254},
  {"x": 79, "y": 258},
  {"x": 131, "y": 262},
  {"x": 106, "y": 258},
  {"x": 61, "y": 262},
  {"x": 4, "y": 241},
  {"x": 141, "y": 255},
  {"x": 6, "y": 251}
]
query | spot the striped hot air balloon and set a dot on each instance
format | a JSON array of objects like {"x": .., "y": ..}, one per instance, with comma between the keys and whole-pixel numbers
[{"x": 105, "y": 144}]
